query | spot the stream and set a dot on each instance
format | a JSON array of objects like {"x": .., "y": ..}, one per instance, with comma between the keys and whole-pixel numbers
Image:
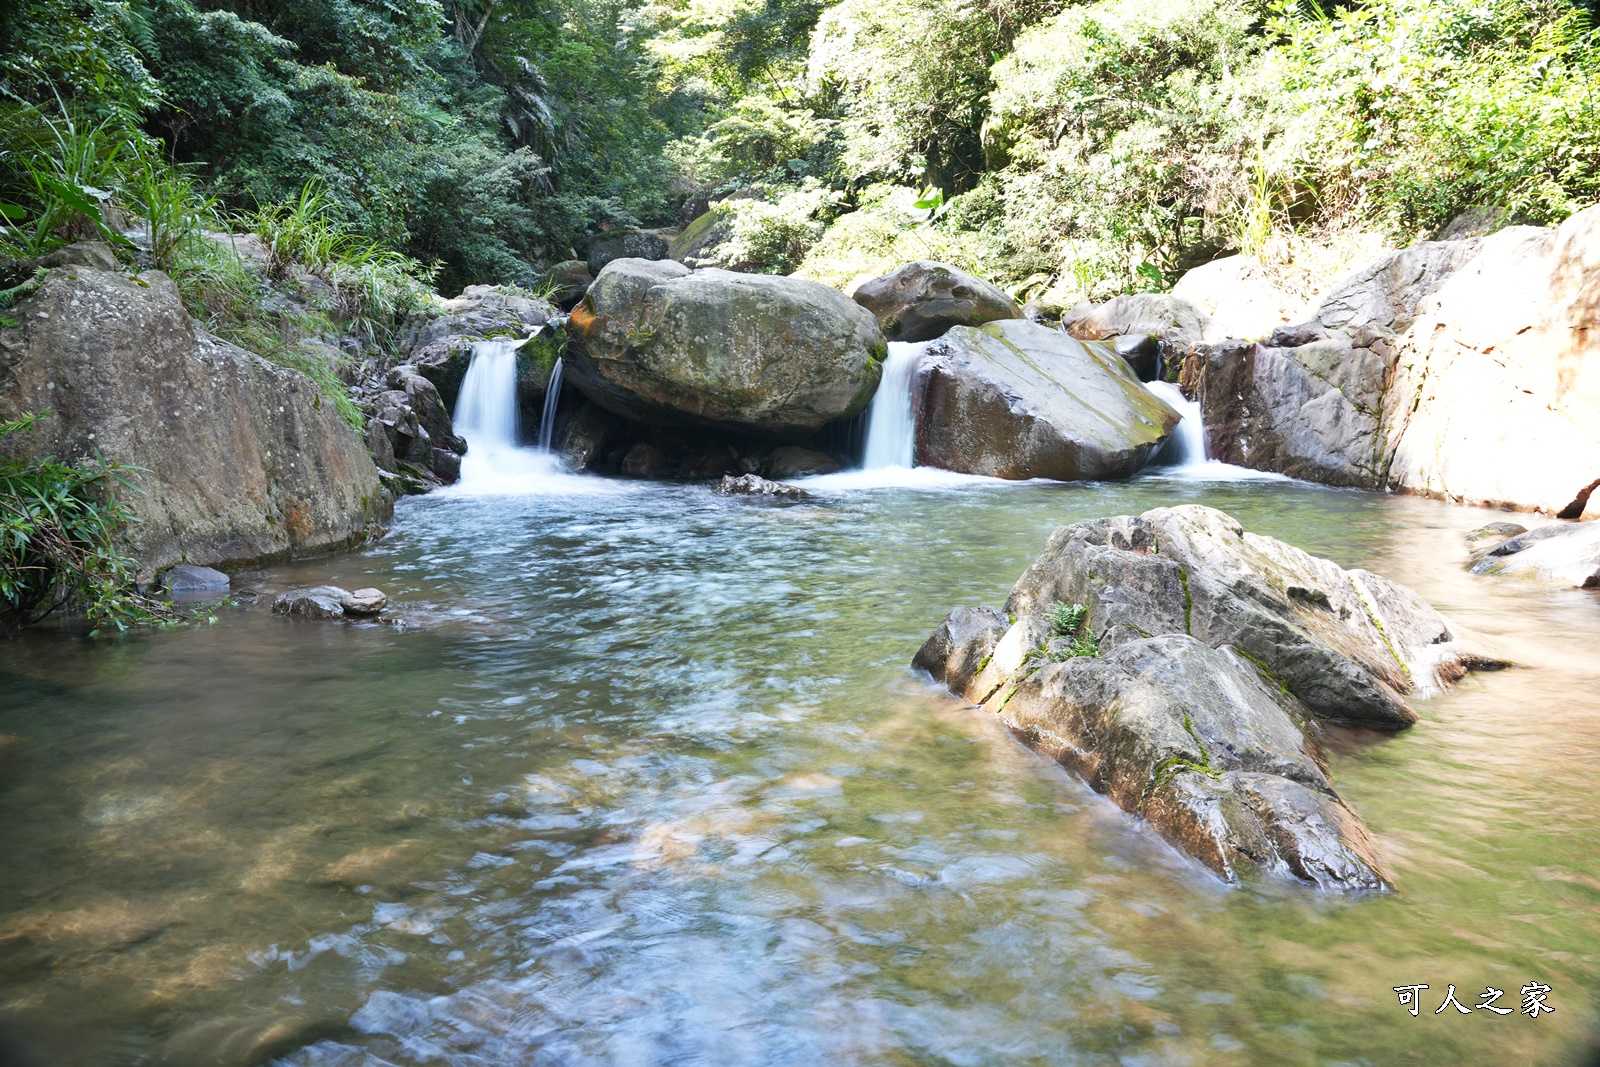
[{"x": 640, "y": 775}]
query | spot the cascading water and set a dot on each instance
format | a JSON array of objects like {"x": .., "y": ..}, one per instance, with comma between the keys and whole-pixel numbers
[
  {"x": 552, "y": 400},
  {"x": 891, "y": 428},
  {"x": 486, "y": 410},
  {"x": 1187, "y": 445}
]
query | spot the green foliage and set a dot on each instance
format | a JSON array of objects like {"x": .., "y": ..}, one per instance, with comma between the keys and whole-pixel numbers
[
  {"x": 1072, "y": 622},
  {"x": 58, "y": 527}
]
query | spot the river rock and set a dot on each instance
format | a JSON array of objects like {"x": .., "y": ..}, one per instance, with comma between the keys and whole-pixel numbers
[
  {"x": 660, "y": 344},
  {"x": 645, "y": 460},
  {"x": 624, "y": 244},
  {"x": 1238, "y": 299},
  {"x": 1559, "y": 554},
  {"x": 364, "y": 602},
  {"x": 1160, "y": 315},
  {"x": 409, "y": 432},
  {"x": 441, "y": 346},
  {"x": 1013, "y": 399},
  {"x": 923, "y": 299},
  {"x": 793, "y": 461},
  {"x": 1467, "y": 370},
  {"x": 188, "y": 580},
  {"x": 754, "y": 485},
  {"x": 321, "y": 602},
  {"x": 245, "y": 462},
  {"x": 1218, "y": 652}
]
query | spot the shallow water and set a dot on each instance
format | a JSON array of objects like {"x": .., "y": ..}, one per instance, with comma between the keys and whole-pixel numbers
[{"x": 644, "y": 779}]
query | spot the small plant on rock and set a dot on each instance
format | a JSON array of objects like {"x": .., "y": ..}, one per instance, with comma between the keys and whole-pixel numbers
[{"x": 1072, "y": 622}]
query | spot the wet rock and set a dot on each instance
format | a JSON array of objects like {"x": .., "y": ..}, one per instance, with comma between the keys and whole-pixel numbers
[
  {"x": 776, "y": 357},
  {"x": 1486, "y": 537},
  {"x": 1014, "y": 399},
  {"x": 409, "y": 432},
  {"x": 1218, "y": 653},
  {"x": 644, "y": 460},
  {"x": 244, "y": 462},
  {"x": 793, "y": 461},
  {"x": 364, "y": 602},
  {"x": 1559, "y": 554},
  {"x": 624, "y": 244},
  {"x": 1142, "y": 353},
  {"x": 441, "y": 346},
  {"x": 700, "y": 462},
  {"x": 754, "y": 485},
  {"x": 321, "y": 602},
  {"x": 583, "y": 440},
  {"x": 188, "y": 580},
  {"x": 568, "y": 280},
  {"x": 923, "y": 299}
]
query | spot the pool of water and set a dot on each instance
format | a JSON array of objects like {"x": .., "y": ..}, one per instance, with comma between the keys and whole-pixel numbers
[{"x": 644, "y": 778}]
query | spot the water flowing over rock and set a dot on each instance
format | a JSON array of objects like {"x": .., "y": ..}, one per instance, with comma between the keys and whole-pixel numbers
[
  {"x": 1218, "y": 653},
  {"x": 923, "y": 299},
  {"x": 441, "y": 347},
  {"x": 246, "y": 462},
  {"x": 1467, "y": 370},
  {"x": 778, "y": 357},
  {"x": 1013, "y": 399}
]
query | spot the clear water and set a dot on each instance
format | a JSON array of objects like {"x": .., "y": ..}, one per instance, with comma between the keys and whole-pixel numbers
[
  {"x": 1187, "y": 445},
  {"x": 644, "y": 779}
]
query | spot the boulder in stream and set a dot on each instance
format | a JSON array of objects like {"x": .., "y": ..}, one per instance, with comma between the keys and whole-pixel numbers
[
  {"x": 1190, "y": 680},
  {"x": 923, "y": 299},
  {"x": 1560, "y": 554},
  {"x": 329, "y": 602},
  {"x": 660, "y": 344},
  {"x": 756, "y": 486},
  {"x": 1014, "y": 399}
]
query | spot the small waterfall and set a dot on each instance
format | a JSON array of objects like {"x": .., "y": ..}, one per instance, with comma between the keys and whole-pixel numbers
[
  {"x": 552, "y": 399},
  {"x": 1187, "y": 445},
  {"x": 891, "y": 429},
  {"x": 486, "y": 410}
]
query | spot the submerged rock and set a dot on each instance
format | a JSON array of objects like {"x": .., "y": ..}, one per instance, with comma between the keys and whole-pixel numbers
[
  {"x": 1560, "y": 554},
  {"x": 923, "y": 299},
  {"x": 187, "y": 580},
  {"x": 777, "y": 357},
  {"x": 245, "y": 462},
  {"x": 329, "y": 602},
  {"x": 1212, "y": 656},
  {"x": 754, "y": 485},
  {"x": 1014, "y": 399}
]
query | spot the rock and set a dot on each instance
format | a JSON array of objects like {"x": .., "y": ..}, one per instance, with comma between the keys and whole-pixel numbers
[
  {"x": 777, "y": 357},
  {"x": 1474, "y": 222},
  {"x": 1014, "y": 399},
  {"x": 1217, "y": 653},
  {"x": 569, "y": 280},
  {"x": 1159, "y": 315},
  {"x": 441, "y": 346},
  {"x": 321, "y": 602},
  {"x": 701, "y": 462},
  {"x": 94, "y": 254},
  {"x": 245, "y": 462},
  {"x": 1347, "y": 644},
  {"x": 410, "y": 433},
  {"x": 363, "y": 602},
  {"x": 329, "y": 602},
  {"x": 624, "y": 244},
  {"x": 696, "y": 245},
  {"x": 1467, "y": 370},
  {"x": 1560, "y": 554},
  {"x": 753, "y": 485},
  {"x": 1485, "y": 537},
  {"x": 187, "y": 580},
  {"x": 923, "y": 299},
  {"x": 792, "y": 461},
  {"x": 1238, "y": 299},
  {"x": 1142, "y": 353},
  {"x": 581, "y": 442},
  {"x": 644, "y": 460}
]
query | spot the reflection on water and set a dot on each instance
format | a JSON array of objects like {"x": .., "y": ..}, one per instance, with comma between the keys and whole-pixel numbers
[{"x": 644, "y": 779}]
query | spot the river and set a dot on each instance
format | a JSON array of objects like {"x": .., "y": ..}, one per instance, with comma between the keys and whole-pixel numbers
[{"x": 640, "y": 775}]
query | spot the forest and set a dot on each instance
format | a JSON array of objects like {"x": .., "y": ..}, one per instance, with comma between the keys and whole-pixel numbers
[{"x": 1079, "y": 149}]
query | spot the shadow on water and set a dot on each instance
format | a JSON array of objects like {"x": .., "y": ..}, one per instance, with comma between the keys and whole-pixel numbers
[{"x": 644, "y": 778}]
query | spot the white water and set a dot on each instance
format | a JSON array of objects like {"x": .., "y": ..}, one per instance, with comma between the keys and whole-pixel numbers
[
  {"x": 1184, "y": 454},
  {"x": 486, "y": 415},
  {"x": 552, "y": 400},
  {"x": 891, "y": 427}
]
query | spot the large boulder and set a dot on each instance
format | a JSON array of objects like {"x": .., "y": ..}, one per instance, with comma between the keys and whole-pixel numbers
[
  {"x": 625, "y": 244},
  {"x": 1467, "y": 370},
  {"x": 1160, "y": 315},
  {"x": 1238, "y": 299},
  {"x": 1559, "y": 554},
  {"x": 1190, "y": 684},
  {"x": 244, "y": 462},
  {"x": 441, "y": 346},
  {"x": 1013, "y": 399},
  {"x": 778, "y": 357},
  {"x": 923, "y": 299}
]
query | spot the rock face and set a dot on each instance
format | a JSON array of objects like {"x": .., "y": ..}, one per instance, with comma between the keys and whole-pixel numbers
[
  {"x": 441, "y": 347},
  {"x": 1218, "y": 653},
  {"x": 923, "y": 299},
  {"x": 1467, "y": 370},
  {"x": 777, "y": 357},
  {"x": 246, "y": 462},
  {"x": 1559, "y": 554},
  {"x": 1014, "y": 399},
  {"x": 1238, "y": 299}
]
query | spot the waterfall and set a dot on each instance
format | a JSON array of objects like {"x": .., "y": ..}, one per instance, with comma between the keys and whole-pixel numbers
[
  {"x": 890, "y": 425},
  {"x": 1187, "y": 445},
  {"x": 486, "y": 410},
  {"x": 552, "y": 399}
]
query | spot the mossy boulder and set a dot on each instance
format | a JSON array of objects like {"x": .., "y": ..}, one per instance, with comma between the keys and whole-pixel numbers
[
  {"x": 660, "y": 344},
  {"x": 923, "y": 299}
]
